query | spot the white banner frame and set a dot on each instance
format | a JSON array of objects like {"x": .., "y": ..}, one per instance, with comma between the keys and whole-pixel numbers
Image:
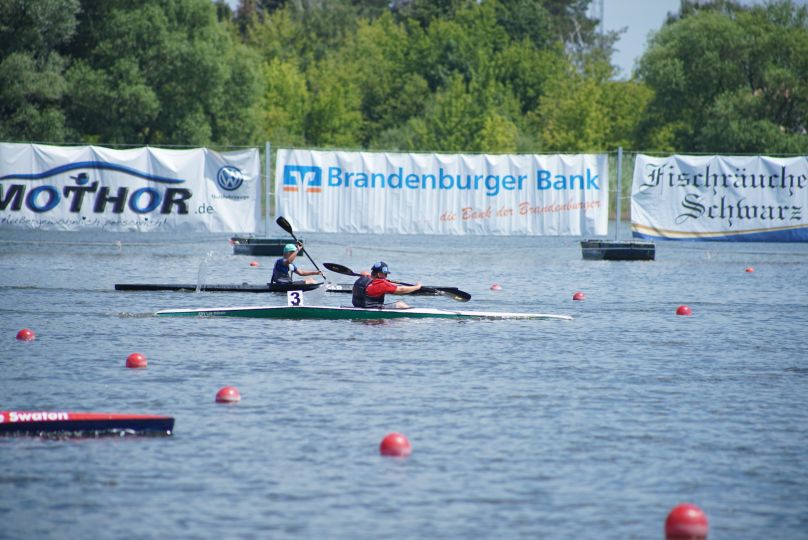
[
  {"x": 410, "y": 193},
  {"x": 142, "y": 189},
  {"x": 721, "y": 198}
]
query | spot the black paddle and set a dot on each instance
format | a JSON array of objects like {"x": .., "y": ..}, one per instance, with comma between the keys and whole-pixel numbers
[
  {"x": 283, "y": 224},
  {"x": 452, "y": 292}
]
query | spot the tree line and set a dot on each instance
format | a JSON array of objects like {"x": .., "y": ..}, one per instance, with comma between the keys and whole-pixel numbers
[{"x": 407, "y": 75}]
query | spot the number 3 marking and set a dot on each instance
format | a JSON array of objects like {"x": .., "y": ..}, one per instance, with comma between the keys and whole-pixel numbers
[{"x": 294, "y": 298}]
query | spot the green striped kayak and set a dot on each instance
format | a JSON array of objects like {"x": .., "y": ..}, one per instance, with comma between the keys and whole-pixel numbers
[{"x": 333, "y": 312}]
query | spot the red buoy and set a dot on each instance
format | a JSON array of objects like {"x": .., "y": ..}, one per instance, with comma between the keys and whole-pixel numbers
[
  {"x": 228, "y": 394},
  {"x": 684, "y": 310},
  {"x": 396, "y": 445},
  {"x": 686, "y": 522},
  {"x": 579, "y": 296},
  {"x": 496, "y": 287},
  {"x": 749, "y": 269},
  {"x": 136, "y": 361},
  {"x": 26, "y": 334},
  {"x": 254, "y": 263}
]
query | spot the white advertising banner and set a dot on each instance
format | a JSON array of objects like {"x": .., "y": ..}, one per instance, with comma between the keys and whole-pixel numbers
[
  {"x": 735, "y": 198},
  {"x": 142, "y": 189},
  {"x": 366, "y": 192}
]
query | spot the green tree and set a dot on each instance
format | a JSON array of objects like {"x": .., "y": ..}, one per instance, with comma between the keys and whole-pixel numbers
[
  {"x": 526, "y": 20},
  {"x": 462, "y": 45},
  {"x": 32, "y": 69},
  {"x": 588, "y": 111},
  {"x": 498, "y": 134},
  {"x": 456, "y": 75},
  {"x": 526, "y": 71},
  {"x": 572, "y": 24},
  {"x": 285, "y": 104},
  {"x": 333, "y": 116},
  {"x": 161, "y": 73},
  {"x": 449, "y": 121},
  {"x": 727, "y": 78},
  {"x": 273, "y": 37},
  {"x": 570, "y": 115},
  {"x": 391, "y": 94},
  {"x": 466, "y": 117}
]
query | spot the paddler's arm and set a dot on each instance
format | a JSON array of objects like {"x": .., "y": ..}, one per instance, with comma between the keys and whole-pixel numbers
[
  {"x": 292, "y": 255},
  {"x": 307, "y": 272},
  {"x": 407, "y": 289}
]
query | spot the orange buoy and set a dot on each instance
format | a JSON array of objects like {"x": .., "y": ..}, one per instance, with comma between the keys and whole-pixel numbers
[
  {"x": 579, "y": 296},
  {"x": 228, "y": 394},
  {"x": 749, "y": 269},
  {"x": 26, "y": 334},
  {"x": 254, "y": 263},
  {"x": 395, "y": 445},
  {"x": 686, "y": 522},
  {"x": 136, "y": 361},
  {"x": 684, "y": 310},
  {"x": 496, "y": 287}
]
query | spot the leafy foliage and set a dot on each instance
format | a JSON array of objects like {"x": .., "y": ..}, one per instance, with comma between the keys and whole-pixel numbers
[
  {"x": 727, "y": 78},
  {"x": 32, "y": 82},
  {"x": 415, "y": 75}
]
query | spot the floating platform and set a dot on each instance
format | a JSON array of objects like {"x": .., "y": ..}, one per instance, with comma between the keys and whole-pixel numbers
[
  {"x": 244, "y": 287},
  {"x": 45, "y": 423},
  {"x": 613, "y": 250},
  {"x": 260, "y": 247}
]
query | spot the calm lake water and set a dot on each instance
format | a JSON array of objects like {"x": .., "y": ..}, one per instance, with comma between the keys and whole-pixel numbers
[{"x": 591, "y": 428}]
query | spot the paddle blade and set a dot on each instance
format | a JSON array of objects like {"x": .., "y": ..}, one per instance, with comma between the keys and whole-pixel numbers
[
  {"x": 339, "y": 269},
  {"x": 283, "y": 224},
  {"x": 454, "y": 294}
]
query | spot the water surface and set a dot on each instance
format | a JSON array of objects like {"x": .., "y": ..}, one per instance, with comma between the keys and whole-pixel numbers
[{"x": 591, "y": 428}]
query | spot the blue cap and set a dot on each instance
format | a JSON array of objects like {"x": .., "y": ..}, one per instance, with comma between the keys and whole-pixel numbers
[
  {"x": 380, "y": 268},
  {"x": 288, "y": 248}
]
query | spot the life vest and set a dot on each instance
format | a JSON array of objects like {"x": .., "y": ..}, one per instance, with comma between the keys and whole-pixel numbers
[
  {"x": 360, "y": 296},
  {"x": 282, "y": 273}
]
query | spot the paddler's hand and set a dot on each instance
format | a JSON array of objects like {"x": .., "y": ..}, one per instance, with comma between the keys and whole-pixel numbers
[{"x": 417, "y": 285}]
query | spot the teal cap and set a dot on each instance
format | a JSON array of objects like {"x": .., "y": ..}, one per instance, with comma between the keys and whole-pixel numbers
[{"x": 288, "y": 248}]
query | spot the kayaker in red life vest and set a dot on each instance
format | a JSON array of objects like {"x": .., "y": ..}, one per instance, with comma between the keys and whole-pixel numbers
[
  {"x": 369, "y": 291},
  {"x": 284, "y": 267}
]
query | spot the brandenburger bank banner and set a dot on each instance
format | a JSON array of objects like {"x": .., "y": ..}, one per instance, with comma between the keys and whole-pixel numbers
[
  {"x": 364, "y": 192},
  {"x": 142, "y": 189},
  {"x": 750, "y": 198}
]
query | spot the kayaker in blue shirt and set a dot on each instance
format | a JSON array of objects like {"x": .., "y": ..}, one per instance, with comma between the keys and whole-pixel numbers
[{"x": 285, "y": 267}]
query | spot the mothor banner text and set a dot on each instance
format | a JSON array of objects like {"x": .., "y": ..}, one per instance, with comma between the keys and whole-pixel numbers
[
  {"x": 366, "y": 192},
  {"x": 728, "y": 198},
  {"x": 141, "y": 189}
]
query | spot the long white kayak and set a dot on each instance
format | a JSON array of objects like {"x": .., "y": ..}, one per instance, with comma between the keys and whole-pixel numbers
[{"x": 333, "y": 312}]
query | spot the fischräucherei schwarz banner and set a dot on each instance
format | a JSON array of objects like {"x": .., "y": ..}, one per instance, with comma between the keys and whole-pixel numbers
[
  {"x": 141, "y": 189},
  {"x": 370, "y": 192},
  {"x": 729, "y": 198}
]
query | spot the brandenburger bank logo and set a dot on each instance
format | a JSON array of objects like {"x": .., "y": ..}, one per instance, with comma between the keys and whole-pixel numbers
[
  {"x": 296, "y": 177},
  {"x": 230, "y": 178}
]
